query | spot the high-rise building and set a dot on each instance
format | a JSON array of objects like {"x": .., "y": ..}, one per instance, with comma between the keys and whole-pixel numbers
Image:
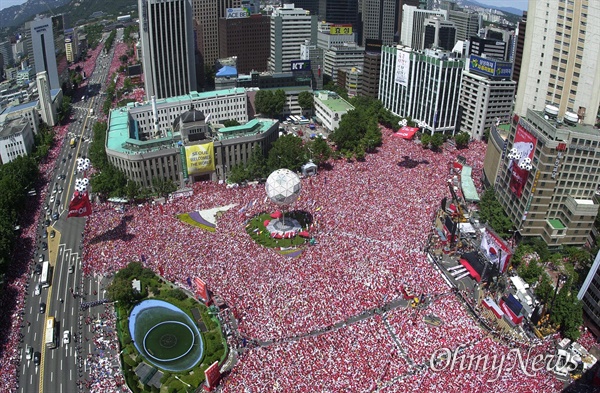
[
  {"x": 489, "y": 48},
  {"x": 16, "y": 139},
  {"x": 484, "y": 98},
  {"x": 399, "y": 7},
  {"x": 506, "y": 35},
  {"x": 44, "y": 52},
  {"x": 589, "y": 294},
  {"x": 439, "y": 33},
  {"x": 167, "y": 47},
  {"x": 547, "y": 186},
  {"x": 424, "y": 85},
  {"x": 248, "y": 39},
  {"x": 340, "y": 12},
  {"x": 413, "y": 25},
  {"x": 520, "y": 43},
  {"x": 290, "y": 28},
  {"x": 468, "y": 23},
  {"x": 369, "y": 85},
  {"x": 7, "y": 54},
  {"x": 71, "y": 45},
  {"x": 347, "y": 55},
  {"x": 378, "y": 20},
  {"x": 207, "y": 13},
  {"x": 253, "y": 6},
  {"x": 562, "y": 43},
  {"x": 328, "y": 36},
  {"x": 313, "y": 53},
  {"x": 308, "y": 5},
  {"x": 47, "y": 110}
]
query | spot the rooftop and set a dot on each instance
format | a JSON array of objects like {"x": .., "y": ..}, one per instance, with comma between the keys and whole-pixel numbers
[
  {"x": 334, "y": 104},
  {"x": 12, "y": 127},
  {"x": 556, "y": 223},
  {"x": 587, "y": 129}
]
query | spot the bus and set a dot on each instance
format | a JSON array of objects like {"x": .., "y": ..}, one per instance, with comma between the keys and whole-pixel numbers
[
  {"x": 295, "y": 119},
  {"x": 303, "y": 120},
  {"x": 72, "y": 143},
  {"x": 50, "y": 333},
  {"x": 45, "y": 278}
]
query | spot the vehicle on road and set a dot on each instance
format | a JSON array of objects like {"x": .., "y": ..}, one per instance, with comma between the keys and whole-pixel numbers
[
  {"x": 44, "y": 235},
  {"x": 42, "y": 308},
  {"x": 72, "y": 143},
  {"x": 45, "y": 245},
  {"x": 28, "y": 352},
  {"x": 52, "y": 198},
  {"x": 37, "y": 358},
  {"x": 45, "y": 278},
  {"x": 46, "y": 206},
  {"x": 66, "y": 337},
  {"x": 64, "y": 160},
  {"x": 38, "y": 269},
  {"x": 51, "y": 333},
  {"x": 41, "y": 259},
  {"x": 71, "y": 268},
  {"x": 55, "y": 216},
  {"x": 47, "y": 223},
  {"x": 52, "y": 234},
  {"x": 37, "y": 290}
]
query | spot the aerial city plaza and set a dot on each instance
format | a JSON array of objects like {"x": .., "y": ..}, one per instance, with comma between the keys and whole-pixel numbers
[{"x": 310, "y": 197}]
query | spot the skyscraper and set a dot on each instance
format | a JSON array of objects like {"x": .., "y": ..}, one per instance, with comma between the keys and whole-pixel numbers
[
  {"x": 413, "y": 25},
  {"x": 46, "y": 108},
  {"x": 290, "y": 28},
  {"x": 562, "y": 43},
  {"x": 167, "y": 47},
  {"x": 439, "y": 33},
  {"x": 467, "y": 23},
  {"x": 378, "y": 21},
  {"x": 207, "y": 13},
  {"x": 44, "y": 51},
  {"x": 248, "y": 39}
]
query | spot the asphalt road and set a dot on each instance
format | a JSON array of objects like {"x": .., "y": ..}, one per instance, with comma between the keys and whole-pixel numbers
[{"x": 59, "y": 371}]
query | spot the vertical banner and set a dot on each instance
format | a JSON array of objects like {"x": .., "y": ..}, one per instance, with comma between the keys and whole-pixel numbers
[
  {"x": 183, "y": 163},
  {"x": 402, "y": 67},
  {"x": 525, "y": 145},
  {"x": 495, "y": 249}
]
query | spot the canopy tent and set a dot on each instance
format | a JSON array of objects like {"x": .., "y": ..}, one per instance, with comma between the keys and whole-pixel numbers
[
  {"x": 466, "y": 184},
  {"x": 512, "y": 308},
  {"x": 226, "y": 71},
  {"x": 406, "y": 132},
  {"x": 276, "y": 214},
  {"x": 266, "y": 222},
  {"x": 473, "y": 264}
]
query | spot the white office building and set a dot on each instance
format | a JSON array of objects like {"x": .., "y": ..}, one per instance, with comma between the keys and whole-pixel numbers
[
  {"x": 16, "y": 139},
  {"x": 329, "y": 109},
  {"x": 47, "y": 109},
  {"x": 347, "y": 55},
  {"x": 290, "y": 28},
  {"x": 413, "y": 25},
  {"x": 424, "y": 85}
]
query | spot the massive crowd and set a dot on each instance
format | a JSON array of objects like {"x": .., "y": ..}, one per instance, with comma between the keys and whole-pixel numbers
[{"x": 371, "y": 222}]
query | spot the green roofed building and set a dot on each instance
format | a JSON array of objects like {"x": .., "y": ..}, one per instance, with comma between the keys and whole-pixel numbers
[{"x": 180, "y": 138}]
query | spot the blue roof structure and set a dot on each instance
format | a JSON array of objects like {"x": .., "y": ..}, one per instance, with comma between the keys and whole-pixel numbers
[{"x": 226, "y": 71}]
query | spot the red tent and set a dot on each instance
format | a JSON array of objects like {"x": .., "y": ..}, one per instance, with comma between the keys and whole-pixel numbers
[
  {"x": 278, "y": 236},
  {"x": 266, "y": 222},
  {"x": 407, "y": 132},
  {"x": 304, "y": 234},
  {"x": 276, "y": 215}
]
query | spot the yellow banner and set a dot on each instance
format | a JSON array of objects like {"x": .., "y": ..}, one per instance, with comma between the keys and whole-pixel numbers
[
  {"x": 200, "y": 158},
  {"x": 340, "y": 29}
]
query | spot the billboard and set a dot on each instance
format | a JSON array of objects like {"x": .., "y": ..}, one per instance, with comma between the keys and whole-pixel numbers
[
  {"x": 236, "y": 13},
  {"x": 490, "y": 67},
  {"x": 200, "y": 158},
  {"x": 373, "y": 46},
  {"x": 340, "y": 29},
  {"x": 402, "y": 67},
  {"x": 212, "y": 375},
  {"x": 495, "y": 249},
  {"x": 300, "y": 65},
  {"x": 525, "y": 147}
]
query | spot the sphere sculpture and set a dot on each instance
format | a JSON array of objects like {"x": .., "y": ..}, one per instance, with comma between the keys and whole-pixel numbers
[{"x": 283, "y": 187}]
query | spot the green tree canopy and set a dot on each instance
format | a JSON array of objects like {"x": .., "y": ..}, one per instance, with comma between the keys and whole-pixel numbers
[
  {"x": 287, "y": 152},
  {"x": 270, "y": 103},
  {"x": 320, "y": 150},
  {"x": 462, "y": 140},
  {"x": 491, "y": 211},
  {"x": 306, "y": 100},
  {"x": 437, "y": 140}
]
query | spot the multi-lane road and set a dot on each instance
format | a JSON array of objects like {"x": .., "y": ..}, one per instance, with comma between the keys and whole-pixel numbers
[{"x": 60, "y": 368}]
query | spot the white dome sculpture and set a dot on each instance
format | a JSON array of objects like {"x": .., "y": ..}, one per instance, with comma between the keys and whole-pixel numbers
[{"x": 283, "y": 187}]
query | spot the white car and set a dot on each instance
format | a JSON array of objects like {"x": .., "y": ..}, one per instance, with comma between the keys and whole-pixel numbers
[
  {"x": 52, "y": 199},
  {"x": 37, "y": 290},
  {"x": 28, "y": 353},
  {"x": 66, "y": 337}
]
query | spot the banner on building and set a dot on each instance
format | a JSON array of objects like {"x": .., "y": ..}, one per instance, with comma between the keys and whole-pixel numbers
[
  {"x": 490, "y": 67},
  {"x": 300, "y": 65},
  {"x": 525, "y": 147},
  {"x": 402, "y": 67},
  {"x": 80, "y": 205},
  {"x": 200, "y": 158},
  {"x": 340, "y": 29},
  {"x": 495, "y": 249},
  {"x": 237, "y": 13}
]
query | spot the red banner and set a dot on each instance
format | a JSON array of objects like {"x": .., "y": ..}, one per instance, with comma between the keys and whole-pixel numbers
[
  {"x": 407, "y": 132},
  {"x": 212, "y": 375},
  {"x": 525, "y": 145},
  {"x": 201, "y": 289},
  {"x": 80, "y": 205}
]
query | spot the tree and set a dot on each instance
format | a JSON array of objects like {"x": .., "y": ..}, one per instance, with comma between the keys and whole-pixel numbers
[
  {"x": 120, "y": 290},
  {"x": 237, "y": 174},
  {"x": 437, "y": 140},
  {"x": 306, "y": 100},
  {"x": 257, "y": 164},
  {"x": 544, "y": 289},
  {"x": 491, "y": 211},
  {"x": 231, "y": 123},
  {"x": 132, "y": 189},
  {"x": 287, "y": 152},
  {"x": 531, "y": 272},
  {"x": 462, "y": 140},
  {"x": 320, "y": 150},
  {"x": 270, "y": 103},
  {"x": 123, "y": 59},
  {"x": 110, "y": 182},
  {"x": 163, "y": 187}
]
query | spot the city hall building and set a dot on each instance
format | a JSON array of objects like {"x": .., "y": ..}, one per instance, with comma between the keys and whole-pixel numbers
[{"x": 180, "y": 138}]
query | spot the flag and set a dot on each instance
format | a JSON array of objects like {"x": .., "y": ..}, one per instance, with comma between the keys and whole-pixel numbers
[{"x": 80, "y": 205}]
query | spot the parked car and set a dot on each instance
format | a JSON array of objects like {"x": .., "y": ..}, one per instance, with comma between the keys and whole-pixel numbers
[
  {"x": 37, "y": 290},
  {"x": 66, "y": 337}
]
